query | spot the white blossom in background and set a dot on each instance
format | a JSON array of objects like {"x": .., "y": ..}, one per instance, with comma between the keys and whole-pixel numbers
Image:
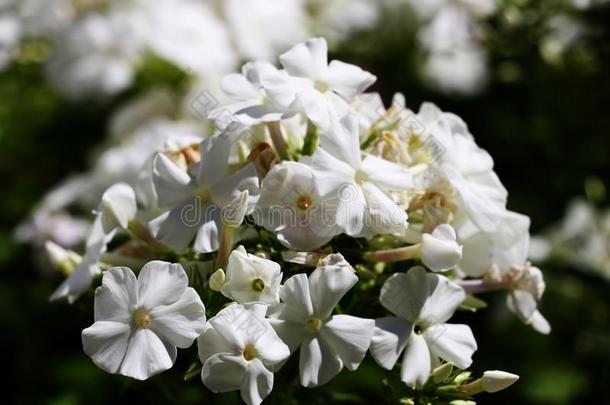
[
  {"x": 327, "y": 342},
  {"x": 195, "y": 202},
  {"x": 139, "y": 322},
  {"x": 423, "y": 304},
  {"x": 239, "y": 350},
  {"x": 117, "y": 208},
  {"x": 250, "y": 278}
]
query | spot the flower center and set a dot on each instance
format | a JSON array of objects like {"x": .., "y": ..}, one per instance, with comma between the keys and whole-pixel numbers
[
  {"x": 204, "y": 194},
  {"x": 360, "y": 177},
  {"x": 141, "y": 317},
  {"x": 313, "y": 325},
  {"x": 258, "y": 285},
  {"x": 321, "y": 86},
  {"x": 419, "y": 326},
  {"x": 249, "y": 352},
  {"x": 304, "y": 202}
]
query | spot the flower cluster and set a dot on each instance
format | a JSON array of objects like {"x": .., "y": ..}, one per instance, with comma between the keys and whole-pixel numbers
[{"x": 308, "y": 196}]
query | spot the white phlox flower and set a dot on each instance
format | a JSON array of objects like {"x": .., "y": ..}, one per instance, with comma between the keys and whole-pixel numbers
[
  {"x": 239, "y": 350},
  {"x": 249, "y": 278},
  {"x": 327, "y": 342},
  {"x": 195, "y": 202},
  {"x": 422, "y": 303},
  {"x": 139, "y": 322},
  {"x": 361, "y": 184}
]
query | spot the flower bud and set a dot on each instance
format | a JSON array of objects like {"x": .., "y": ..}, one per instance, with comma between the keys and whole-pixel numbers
[
  {"x": 494, "y": 381},
  {"x": 442, "y": 372},
  {"x": 217, "y": 280},
  {"x": 65, "y": 260},
  {"x": 439, "y": 249},
  {"x": 531, "y": 281},
  {"x": 234, "y": 213},
  {"x": 118, "y": 206}
]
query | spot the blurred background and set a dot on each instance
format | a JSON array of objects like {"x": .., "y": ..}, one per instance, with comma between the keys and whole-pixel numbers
[{"x": 84, "y": 84}]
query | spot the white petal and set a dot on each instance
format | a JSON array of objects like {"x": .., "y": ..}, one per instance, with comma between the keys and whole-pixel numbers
[
  {"x": 445, "y": 297},
  {"x": 291, "y": 333},
  {"x": 342, "y": 141},
  {"x": 214, "y": 159},
  {"x": 352, "y": 210},
  {"x": 416, "y": 363},
  {"x": 295, "y": 294},
  {"x": 257, "y": 383},
  {"x": 171, "y": 182},
  {"x": 522, "y": 303},
  {"x": 118, "y": 205},
  {"x": 349, "y": 337},
  {"x": 348, "y": 80},
  {"x": 385, "y": 215},
  {"x": 307, "y": 59},
  {"x": 77, "y": 283},
  {"x": 271, "y": 349},
  {"x": 147, "y": 355},
  {"x": 330, "y": 173},
  {"x": 230, "y": 188},
  {"x": 327, "y": 285},
  {"x": 116, "y": 298},
  {"x": 210, "y": 342},
  {"x": 452, "y": 343},
  {"x": 389, "y": 339},
  {"x": 182, "y": 322},
  {"x": 161, "y": 283},
  {"x": 405, "y": 294},
  {"x": 239, "y": 88},
  {"x": 386, "y": 175},
  {"x": 208, "y": 236},
  {"x": 440, "y": 251},
  {"x": 539, "y": 323},
  {"x": 106, "y": 343},
  {"x": 317, "y": 362},
  {"x": 177, "y": 227},
  {"x": 223, "y": 372}
]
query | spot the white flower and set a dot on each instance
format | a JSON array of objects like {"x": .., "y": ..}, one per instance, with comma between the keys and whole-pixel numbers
[
  {"x": 239, "y": 350},
  {"x": 439, "y": 249},
  {"x": 253, "y": 105},
  {"x": 140, "y": 322},
  {"x": 195, "y": 203},
  {"x": 314, "y": 83},
  {"x": 468, "y": 168},
  {"x": 251, "y": 278},
  {"x": 292, "y": 207},
  {"x": 362, "y": 185},
  {"x": 116, "y": 209},
  {"x": 118, "y": 206},
  {"x": 328, "y": 342},
  {"x": 423, "y": 303}
]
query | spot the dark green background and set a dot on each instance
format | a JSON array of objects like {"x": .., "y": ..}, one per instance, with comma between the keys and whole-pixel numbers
[{"x": 548, "y": 130}]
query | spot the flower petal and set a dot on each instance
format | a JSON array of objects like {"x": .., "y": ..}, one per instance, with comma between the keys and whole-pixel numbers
[
  {"x": 389, "y": 339},
  {"x": 297, "y": 299},
  {"x": 177, "y": 227},
  {"x": 161, "y": 283},
  {"x": 207, "y": 239},
  {"x": 307, "y": 59},
  {"x": 327, "y": 285},
  {"x": 210, "y": 342},
  {"x": 445, "y": 297},
  {"x": 171, "y": 182},
  {"x": 147, "y": 355},
  {"x": 349, "y": 337},
  {"x": 116, "y": 298},
  {"x": 416, "y": 363},
  {"x": 386, "y": 175},
  {"x": 386, "y": 217},
  {"x": 317, "y": 363},
  {"x": 257, "y": 383},
  {"x": 182, "y": 322},
  {"x": 405, "y": 294},
  {"x": 106, "y": 343},
  {"x": 439, "y": 250},
  {"x": 452, "y": 343},
  {"x": 291, "y": 333},
  {"x": 348, "y": 80},
  {"x": 223, "y": 372}
]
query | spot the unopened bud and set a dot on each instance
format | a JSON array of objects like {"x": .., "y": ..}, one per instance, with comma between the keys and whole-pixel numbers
[
  {"x": 439, "y": 249},
  {"x": 63, "y": 259},
  {"x": 217, "y": 280},
  {"x": 495, "y": 380},
  {"x": 235, "y": 212},
  {"x": 118, "y": 206},
  {"x": 442, "y": 372}
]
